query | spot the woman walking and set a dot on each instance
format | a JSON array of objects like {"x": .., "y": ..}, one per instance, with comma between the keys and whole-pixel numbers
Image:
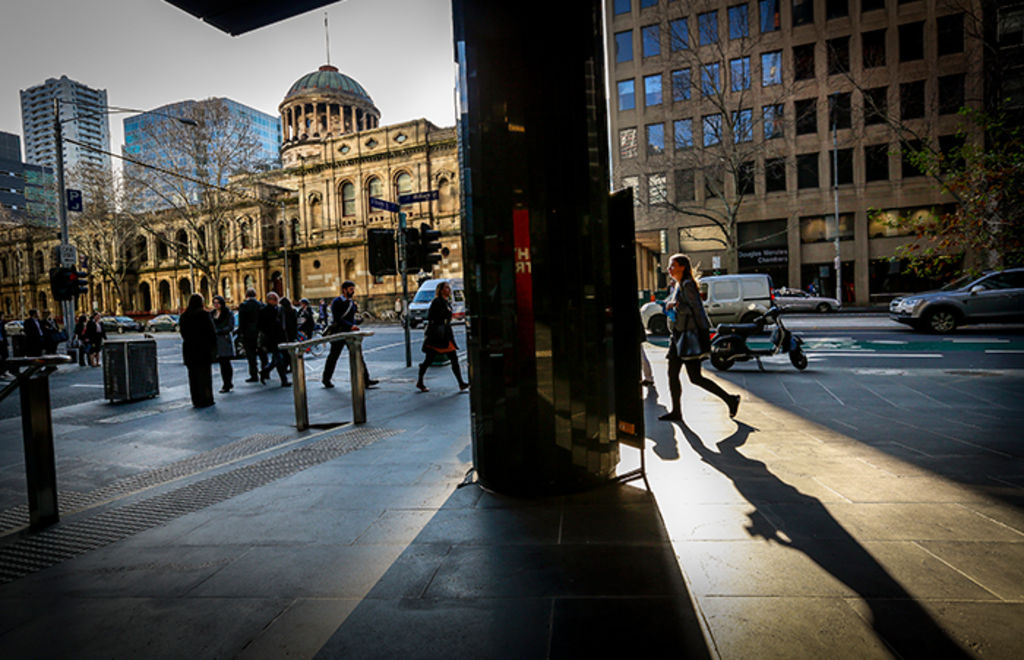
[
  {"x": 224, "y": 325},
  {"x": 439, "y": 338},
  {"x": 199, "y": 350},
  {"x": 690, "y": 340},
  {"x": 94, "y": 336}
]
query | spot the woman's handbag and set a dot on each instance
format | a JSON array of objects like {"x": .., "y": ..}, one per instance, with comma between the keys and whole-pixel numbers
[{"x": 688, "y": 345}]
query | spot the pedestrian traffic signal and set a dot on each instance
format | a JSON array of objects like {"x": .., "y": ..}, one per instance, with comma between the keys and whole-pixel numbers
[
  {"x": 381, "y": 243},
  {"x": 430, "y": 247},
  {"x": 60, "y": 283},
  {"x": 413, "y": 257}
]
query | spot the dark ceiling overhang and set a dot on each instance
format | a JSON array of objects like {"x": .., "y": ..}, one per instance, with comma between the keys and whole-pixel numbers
[{"x": 240, "y": 16}]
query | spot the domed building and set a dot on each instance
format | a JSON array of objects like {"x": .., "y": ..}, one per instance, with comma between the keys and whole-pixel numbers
[{"x": 300, "y": 230}]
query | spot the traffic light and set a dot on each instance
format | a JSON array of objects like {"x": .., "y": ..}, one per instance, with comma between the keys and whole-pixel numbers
[
  {"x": 430, "y": 247},
  {"x": 60, "y": 283},
  {"x": 413, "y": 258},
  {"x": 78, "y": 282},
  {"x": 382, "y": 252}
]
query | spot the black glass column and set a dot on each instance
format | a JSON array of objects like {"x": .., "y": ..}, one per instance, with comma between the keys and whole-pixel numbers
[{"x": 538, "y": 269}]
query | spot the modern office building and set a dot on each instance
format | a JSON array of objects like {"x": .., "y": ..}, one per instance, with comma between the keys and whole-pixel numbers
[
  {"x": 83, "y": 113},
  {"x": 149, "y": 136},
  {"x": 722, "y": 120},
  {"x": 26, "y": 191}
]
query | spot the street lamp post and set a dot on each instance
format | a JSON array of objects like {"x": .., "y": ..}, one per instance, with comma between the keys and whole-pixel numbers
[{"x": 834, "y": 98}]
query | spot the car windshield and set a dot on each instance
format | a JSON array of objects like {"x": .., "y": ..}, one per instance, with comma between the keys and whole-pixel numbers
[
  {"x": 124, "y": 319},
  {"x": 958, "y": 283},
  {"x": 424, "y": 295}
]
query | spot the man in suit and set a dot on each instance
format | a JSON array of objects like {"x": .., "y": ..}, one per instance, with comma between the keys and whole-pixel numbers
[
  {"x": 271, "y": 324},
  {"x": 343, "y": 313},
  {"x": 33, "y": 330},
  {"x": 249, "y": 331}
]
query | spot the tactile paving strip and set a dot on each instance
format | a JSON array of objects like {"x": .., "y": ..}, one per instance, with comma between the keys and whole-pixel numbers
[
  {"x": 72, "y": 501},
  {"x": 67, "y": 540}
]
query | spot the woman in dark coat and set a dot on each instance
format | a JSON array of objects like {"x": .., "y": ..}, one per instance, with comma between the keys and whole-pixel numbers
[
  {"x": 94, "y": 336},
  {"x": 439, "y": 338},
  {"x": 224, "y": 324},
  {"x": 290, "y": 320},
  {"x": 199, "y": 349}
]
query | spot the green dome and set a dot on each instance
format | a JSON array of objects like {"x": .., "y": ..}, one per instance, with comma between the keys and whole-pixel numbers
[{"x": 327, "y": 79}]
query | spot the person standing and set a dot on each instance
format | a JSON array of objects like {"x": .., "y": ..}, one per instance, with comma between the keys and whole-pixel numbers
[
  {"x": 33, "y": 334},
  {"x": 199, "y": 350},
  {"x": 249, "y": 330},
  {"x": 690, "y": 339},
  {"x": 306, "y": 323},
  {"x": 224, "y": 325},
  {"x": 439, "y": 339},
  {"x": 50, "y": 331},
  {"x": 4, "y": 350},
  {"x": 272, "y": 334},
  {"x": 94, "y": 336},
  {"x": 343, "y": 315},
  {"x": 321, "y": 317},
  {"x": 289, "y": 319}
]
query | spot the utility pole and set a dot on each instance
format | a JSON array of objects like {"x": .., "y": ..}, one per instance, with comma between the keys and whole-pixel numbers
[
  {"x": 67, "y": 306},
  {"x": 834, "y": 98},
  {"x": 402, "y": 261}
]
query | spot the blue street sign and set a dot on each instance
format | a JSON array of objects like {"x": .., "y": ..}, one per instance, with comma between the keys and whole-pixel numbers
[
  {"x": 74, "y": 200},
  {"x": 412, "y": 198},
  {"x": 383, "y": 204}
]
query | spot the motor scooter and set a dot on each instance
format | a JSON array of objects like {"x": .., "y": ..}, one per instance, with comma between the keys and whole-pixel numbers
[{"x": 729, "y": 345}]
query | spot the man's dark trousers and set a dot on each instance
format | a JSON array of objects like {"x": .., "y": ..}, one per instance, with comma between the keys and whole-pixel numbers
[
  {"x": 332, "y": 360},
  {"x": 251, "y": 351}
]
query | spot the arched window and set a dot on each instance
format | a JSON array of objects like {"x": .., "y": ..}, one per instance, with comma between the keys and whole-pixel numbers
[
  {"x": 225, "y": 288},
  {"x": 245, "y": 237},
  {"x": 350, "y": 269},
  {"x": 40, "y": 264},
  {"x": 348, "y": 199},
  {"x": 295, "y": 231},
  {"x": 250, "y": 282},
  {"x": 375, "y": 188},
  {"x": 403, "y": 184},
  {"x": 164, "y": 291},
  {"x": 316, "y": 214},
  {"x": 161, "y": 250},
  {"x": 280, "y": 232},
  {"x": 142, "y": 249},
  {"x": 180, "y": 242},
  {"x": 222, "y": 238},
  {"x": 444, "y": 196},
  {"x": 3, "y": 266},
  {"x": 42, "y": 300}
]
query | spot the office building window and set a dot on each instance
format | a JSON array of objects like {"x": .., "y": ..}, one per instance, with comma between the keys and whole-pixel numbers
[
  {"x": 840, "y": 110},
  {"x": 876, "y": 105},
  {"x": 685, "y": 189},
  {"x": 707, "y": 28},
  {"x": 771, "y": 68},
  {"x": 745, "y": 178},
  {"x": 950, "y": 147},
  {"x": 774, "y": 175},
  {"x": 714, "y": 183},
  {"x": 624, "y": 46},
  {"x": 872, "y": 45},
  {"x": 951, "y": 93},
  {"x": 950, "y": 34},
  {"x": 657, "y": 189},
  {"x": 869, "y": 5},
  {"x": 655, "y": 139},
  {"x": 845, "y": 169},
  {"x": 803, "y": 62},
  {"x": 683, "y": 130},
  {"x": 740, "y": 73},
  {"x": 709, "y": 79},
  {"x": 648, "y": 3},
  {"x": 838, "y": 55},
  {"x": 681, "y": 84},
  {"x": 678, "y": 35},
  {"x": 621, "y": 7},
  {"x": 806, "y": 116},
  {"x": 712, "y": 129},
  {"x": 876, "y": 162},
  {"x": 803, "y": 12},
  {"x": 907, "y": 167},
  {"x": 627, "y": 95},
  {"x": 769, "y": 12},
  {"x": 651, "y": 40},
  {"x": 652, "y": 90},
  {"x": 807, "y": 171},
  {"x": 912, "y": 41},
  {"x": 739, "y": 22},
  {"x": 837, "y": 8},
  {"x": 627, "y": 143},
  {"x": 912, "y": 100},
  {"x": 771, "y": 116},
  {"x": 743, "y": 126}
]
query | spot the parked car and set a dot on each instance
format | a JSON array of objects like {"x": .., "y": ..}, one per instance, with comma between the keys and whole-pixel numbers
[
  {"x": 120, "y": 324},
  {"x": 652, "y": 315},
  {"x": 163, "y": 323},
  {"x": 12, "y": 328},
  {"x": 736, "y": 298},
  {"x": 991, "y": 298},
  {"x": 795, "y": 300}
]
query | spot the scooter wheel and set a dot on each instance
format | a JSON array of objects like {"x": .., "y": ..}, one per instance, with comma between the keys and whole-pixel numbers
[
  {"x": 720, "y": 362},
  {"x": 799, "y": 359}
]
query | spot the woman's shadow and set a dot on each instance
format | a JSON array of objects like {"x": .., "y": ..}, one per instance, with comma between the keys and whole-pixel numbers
[{"x": 805, "y": 525}]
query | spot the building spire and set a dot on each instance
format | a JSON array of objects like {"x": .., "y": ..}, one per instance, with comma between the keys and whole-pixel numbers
[{"x": 327, "y": 39}]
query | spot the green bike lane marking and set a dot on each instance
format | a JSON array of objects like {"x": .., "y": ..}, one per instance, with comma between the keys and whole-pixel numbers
[{"x": 827, "y": 345}]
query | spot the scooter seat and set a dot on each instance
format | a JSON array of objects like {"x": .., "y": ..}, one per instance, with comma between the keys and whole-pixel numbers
[{"x": 742, "y": 329}]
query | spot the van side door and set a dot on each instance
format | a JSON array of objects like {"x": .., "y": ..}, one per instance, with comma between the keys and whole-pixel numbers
[{"x": 724, "y": 301}]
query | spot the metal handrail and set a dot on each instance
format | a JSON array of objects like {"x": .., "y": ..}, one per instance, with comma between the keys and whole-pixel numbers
[
  {"x": 297, "y": 349},
  {"x": 34, "y": 364}
]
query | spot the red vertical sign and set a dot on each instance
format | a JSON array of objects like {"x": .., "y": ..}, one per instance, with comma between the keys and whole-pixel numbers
[{"x": 524, "y": 279}]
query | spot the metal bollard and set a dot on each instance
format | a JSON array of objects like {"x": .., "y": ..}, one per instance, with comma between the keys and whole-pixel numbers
[{"x": 354, "y": 340}]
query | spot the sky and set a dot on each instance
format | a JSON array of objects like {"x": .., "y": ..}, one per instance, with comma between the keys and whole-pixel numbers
[{"x": 147, "y": 53}]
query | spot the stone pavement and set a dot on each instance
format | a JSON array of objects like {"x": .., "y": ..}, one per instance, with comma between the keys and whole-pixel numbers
[{"x": 224, "y": 533}]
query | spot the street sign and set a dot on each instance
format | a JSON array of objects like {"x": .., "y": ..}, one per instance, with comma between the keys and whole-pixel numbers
[
  {"x": 74, "y": 200},
  {"x": 67, "y": 256},
  {"x": 412, "y": 198},
  {"x": 383, "y": 205}
]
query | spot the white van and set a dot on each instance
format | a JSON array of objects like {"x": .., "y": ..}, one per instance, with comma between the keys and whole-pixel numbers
[
  {"x": 736, "y": 298},
  {"x": 420, "y": 304}
]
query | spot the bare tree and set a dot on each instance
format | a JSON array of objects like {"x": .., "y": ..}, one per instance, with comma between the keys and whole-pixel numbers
[{"x": 186, "y": 186}]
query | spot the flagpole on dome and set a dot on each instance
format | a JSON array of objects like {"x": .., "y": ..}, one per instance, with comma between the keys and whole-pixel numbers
[{"x": 327, "y": 40}]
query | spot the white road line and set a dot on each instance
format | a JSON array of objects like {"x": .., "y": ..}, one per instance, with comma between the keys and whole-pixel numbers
[
  {"x": 888, "y": 341},
  {"x": 1004, "y": 350},
  {"x": 978, "y": 340},
  {"x": 830, "y": 392},
  {"x": 878, "y": 355},
  {"x": 86, "y": 385}
]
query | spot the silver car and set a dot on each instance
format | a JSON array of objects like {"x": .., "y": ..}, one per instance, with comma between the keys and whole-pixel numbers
[
  {"x": 991, "y": 298},
  {"x": 795, "y": 300}
]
